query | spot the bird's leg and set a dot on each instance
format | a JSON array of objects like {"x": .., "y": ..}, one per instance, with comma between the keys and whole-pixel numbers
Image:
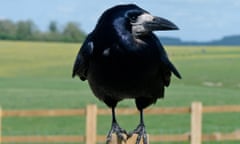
[
  {"x": 115, "y": 128},
  {"x": 140, "y": 130}
]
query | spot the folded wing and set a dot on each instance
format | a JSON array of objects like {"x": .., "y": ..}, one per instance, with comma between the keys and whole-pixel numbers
[{"x": 81, "y": 64}]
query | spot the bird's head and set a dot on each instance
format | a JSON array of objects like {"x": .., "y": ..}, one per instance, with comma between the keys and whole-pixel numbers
[{"x": 134, "y": 19}]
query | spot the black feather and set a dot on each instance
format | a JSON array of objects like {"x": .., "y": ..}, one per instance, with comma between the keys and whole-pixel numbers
[{"x": 81, "y": 64}]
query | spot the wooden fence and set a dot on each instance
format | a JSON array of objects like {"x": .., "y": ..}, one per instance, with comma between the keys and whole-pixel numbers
[{"x": 91, "y": 112}]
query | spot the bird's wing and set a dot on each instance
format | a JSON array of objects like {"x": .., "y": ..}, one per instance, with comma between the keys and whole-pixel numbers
[
  {"x": 167, "y": 69},
  {"x": 81, "y": 64},
  {"x": 167, "y": 66},
  {"x": 170, "y": 66}
]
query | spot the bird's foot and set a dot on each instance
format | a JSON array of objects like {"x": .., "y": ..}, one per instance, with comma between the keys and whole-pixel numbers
[
  {"x": 121, "y": 133},
  {"x": 141, "y": 134}
]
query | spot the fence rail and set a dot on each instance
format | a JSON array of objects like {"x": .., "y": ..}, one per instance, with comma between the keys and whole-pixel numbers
[{"x": 91, "y": 112}]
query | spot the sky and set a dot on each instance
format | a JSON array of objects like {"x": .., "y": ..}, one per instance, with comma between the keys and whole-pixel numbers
[{"x": 198, "y": 20}]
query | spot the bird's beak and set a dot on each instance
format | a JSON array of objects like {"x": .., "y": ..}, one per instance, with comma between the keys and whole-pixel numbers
[
  {"x": 161, "y": 24},
  {"x": 147, "y": 23}
]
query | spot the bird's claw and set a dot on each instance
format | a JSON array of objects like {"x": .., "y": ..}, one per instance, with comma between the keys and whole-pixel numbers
[
  {"x": 141, "y": 134},
  {"x": 118, "y": 131}
]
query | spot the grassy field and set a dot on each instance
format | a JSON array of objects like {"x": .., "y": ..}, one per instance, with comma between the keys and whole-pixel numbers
[{"x": 37, "y": 75}]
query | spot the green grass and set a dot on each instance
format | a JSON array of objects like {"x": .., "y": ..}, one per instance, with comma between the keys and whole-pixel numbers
[{"x": 37, "y": 75}]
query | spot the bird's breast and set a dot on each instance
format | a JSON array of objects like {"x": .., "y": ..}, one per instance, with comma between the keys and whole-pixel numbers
[{"x": 123, "y": 71}]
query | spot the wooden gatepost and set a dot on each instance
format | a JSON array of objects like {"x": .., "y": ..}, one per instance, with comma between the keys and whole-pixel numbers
[
  {"x": 91, "y": 124},
  {"x": 196, "y": 123}
]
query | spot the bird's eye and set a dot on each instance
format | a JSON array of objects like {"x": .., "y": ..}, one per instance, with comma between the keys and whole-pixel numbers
[{"x": 133, "y": 18}]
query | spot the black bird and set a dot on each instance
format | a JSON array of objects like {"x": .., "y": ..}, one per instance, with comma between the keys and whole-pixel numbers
[{"x": 122, "y": 58}]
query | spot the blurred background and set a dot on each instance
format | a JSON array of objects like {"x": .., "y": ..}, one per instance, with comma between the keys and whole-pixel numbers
[
  {"x": 39, "y": 40},
  {"x": 199, "y": 20}
]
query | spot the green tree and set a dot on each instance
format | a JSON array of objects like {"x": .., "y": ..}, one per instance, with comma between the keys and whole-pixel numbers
[
  {"x": 72, "y": 33},
  {"x": 7, "y": 30},
  {"x": 53, "y": 27},
  {"x": 26, "y": 30},
  {"x": 53, "y": 33}
]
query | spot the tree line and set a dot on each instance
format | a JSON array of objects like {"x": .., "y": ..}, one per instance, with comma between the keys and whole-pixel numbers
[
  {"x": 27, "y": 30},
  {"x": 232, "y": 40}
]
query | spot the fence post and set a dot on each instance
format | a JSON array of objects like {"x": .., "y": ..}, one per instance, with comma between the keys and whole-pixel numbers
[
  {"x": 196, "y": 123},
  {"x": 91, "y": 124},
  {"x": 1, "y": 115}
]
